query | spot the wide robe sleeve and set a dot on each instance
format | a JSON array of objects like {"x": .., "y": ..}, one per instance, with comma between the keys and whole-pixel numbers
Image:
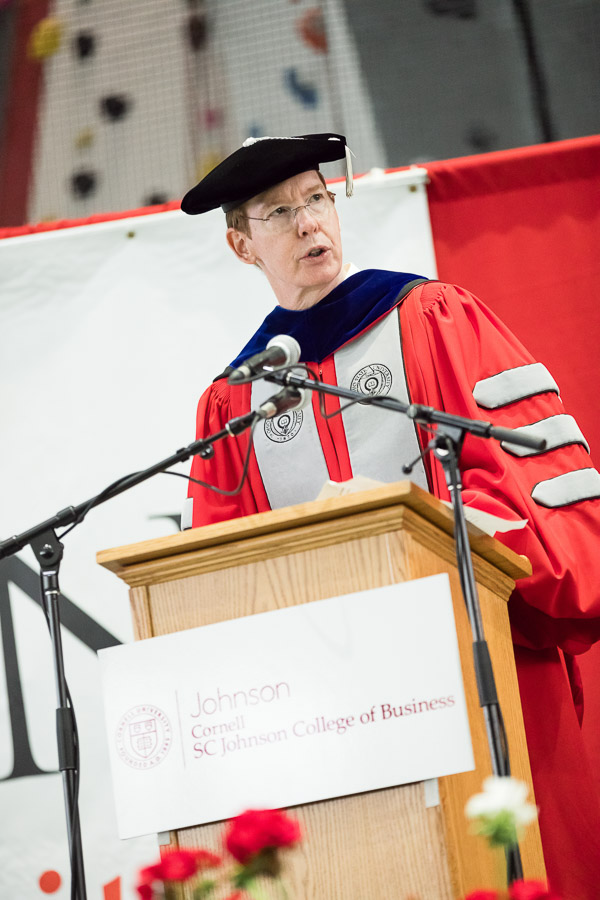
[
  {"x": 217, "y": 405},
  {"x": 461, "y": 358}
]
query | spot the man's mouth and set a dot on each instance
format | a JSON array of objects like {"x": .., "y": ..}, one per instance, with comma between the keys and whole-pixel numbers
[{"x": 316, "y": 251}]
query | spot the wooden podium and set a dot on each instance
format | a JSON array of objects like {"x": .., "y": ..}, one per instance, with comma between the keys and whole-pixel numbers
[{"x": 395, "y": 842}]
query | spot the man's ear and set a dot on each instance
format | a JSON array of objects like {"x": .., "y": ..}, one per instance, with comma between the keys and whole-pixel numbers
[{"x": 240, "y": 244}]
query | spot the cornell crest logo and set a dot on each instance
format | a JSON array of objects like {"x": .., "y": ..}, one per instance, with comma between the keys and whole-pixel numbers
[
  {"x": 143, "y": 736},
  {"x": 373, "y": 380},
  {"x": 284, "y": 427}
]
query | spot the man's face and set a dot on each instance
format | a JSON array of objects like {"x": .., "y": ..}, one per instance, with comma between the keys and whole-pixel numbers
[{"x": 303, "y": 263}]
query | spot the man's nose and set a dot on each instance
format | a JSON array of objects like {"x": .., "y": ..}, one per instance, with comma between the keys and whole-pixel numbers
[{"x": 306, "y": 222}]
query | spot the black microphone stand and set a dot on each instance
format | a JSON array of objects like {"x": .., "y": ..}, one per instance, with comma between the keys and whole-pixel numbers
[
  {"x": 446, "y": 446},
  {"x": 48, "y": 551}
]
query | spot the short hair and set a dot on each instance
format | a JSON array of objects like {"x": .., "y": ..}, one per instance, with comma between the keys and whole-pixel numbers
[{"x": 235, "y": 218}]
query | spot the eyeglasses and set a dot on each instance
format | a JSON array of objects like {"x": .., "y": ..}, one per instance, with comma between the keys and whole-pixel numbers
[{"x": 284, "y": 217}]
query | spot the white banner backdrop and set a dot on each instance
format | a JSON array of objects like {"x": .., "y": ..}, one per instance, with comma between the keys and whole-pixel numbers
[{"x": 108, "y": 335}]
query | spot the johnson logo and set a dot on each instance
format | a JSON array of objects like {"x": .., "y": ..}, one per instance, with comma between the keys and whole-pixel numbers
[{"x": 143, "y": 737}]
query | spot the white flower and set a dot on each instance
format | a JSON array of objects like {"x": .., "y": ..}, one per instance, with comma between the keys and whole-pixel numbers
[
  {"x": 502, "y": 810},
  {"x": 502, "y": 794}
]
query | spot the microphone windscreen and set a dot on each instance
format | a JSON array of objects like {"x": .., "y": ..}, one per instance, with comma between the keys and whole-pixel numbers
[
  {"x": 306, "y": 398},
  {"x": 289, "y": 345}
]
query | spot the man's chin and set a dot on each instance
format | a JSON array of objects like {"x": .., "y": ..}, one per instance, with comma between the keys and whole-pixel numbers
[{"x": 326, "y": 272}]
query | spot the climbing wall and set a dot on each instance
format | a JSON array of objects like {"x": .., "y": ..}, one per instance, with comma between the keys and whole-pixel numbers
[{"x": 140, "y": 99}]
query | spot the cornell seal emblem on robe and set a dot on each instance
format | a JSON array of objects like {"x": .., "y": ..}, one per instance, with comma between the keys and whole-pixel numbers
[
  {"x": 373, "y": 380},
  {"x": 143, "y": 736},
  {"x": 284, "y": 427}
]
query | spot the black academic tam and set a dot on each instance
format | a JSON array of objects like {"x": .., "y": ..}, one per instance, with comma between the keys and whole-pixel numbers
[{"x": 258, "y": 165}]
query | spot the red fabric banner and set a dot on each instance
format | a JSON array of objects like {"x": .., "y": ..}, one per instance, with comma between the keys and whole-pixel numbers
[{"x": 521, "y": 229}]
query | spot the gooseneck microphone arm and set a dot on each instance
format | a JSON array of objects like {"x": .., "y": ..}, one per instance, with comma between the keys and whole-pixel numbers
[
  {"x": 287, "y": 398},
  {"x": 423, "y": 414},
  {"x": 73, "y": 515}
]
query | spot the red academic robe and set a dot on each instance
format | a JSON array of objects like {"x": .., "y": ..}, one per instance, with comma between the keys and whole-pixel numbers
[{"x": 460, "y": 358}]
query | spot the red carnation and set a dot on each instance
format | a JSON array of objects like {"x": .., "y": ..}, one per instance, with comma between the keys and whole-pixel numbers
[
  {"x": 206, "y": 860},
  {"x": 176, "y": 865},
  {"x": 260, "y": 829},
  {"x": 145, "y": 891},
  {"x": 531, "y": 890}
]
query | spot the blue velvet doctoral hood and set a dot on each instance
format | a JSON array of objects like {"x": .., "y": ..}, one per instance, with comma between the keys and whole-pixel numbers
[{"x": 344, "y": 313}]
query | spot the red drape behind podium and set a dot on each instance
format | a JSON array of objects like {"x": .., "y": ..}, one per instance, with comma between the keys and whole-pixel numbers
[{"x": 521, "y": 229}]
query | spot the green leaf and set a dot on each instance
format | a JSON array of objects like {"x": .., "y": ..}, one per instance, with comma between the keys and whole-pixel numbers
[
  {"x": 500, "y": 830},
  {"x": 255, "y": 891},
  {"x": 242, "y": 877},
  {"x": 204, "y": 889}
]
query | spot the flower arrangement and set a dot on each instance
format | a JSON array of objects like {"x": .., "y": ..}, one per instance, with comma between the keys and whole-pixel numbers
[{"x": 252, "y": 840}]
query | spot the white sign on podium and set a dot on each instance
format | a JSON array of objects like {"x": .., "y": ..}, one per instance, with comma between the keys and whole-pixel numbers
[{"x": 320, "y": 700}]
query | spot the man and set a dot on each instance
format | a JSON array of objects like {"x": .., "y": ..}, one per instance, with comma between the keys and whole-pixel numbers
[{"x": 435, "y": 344}]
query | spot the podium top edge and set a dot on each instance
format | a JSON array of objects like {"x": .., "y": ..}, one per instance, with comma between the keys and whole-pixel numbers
[{"x": 120, "y": 560}]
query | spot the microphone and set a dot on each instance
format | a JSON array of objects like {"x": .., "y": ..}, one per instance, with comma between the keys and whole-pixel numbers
[
  {"x": 288, "y": 398},
  {"x": 282, "y": 350}
]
